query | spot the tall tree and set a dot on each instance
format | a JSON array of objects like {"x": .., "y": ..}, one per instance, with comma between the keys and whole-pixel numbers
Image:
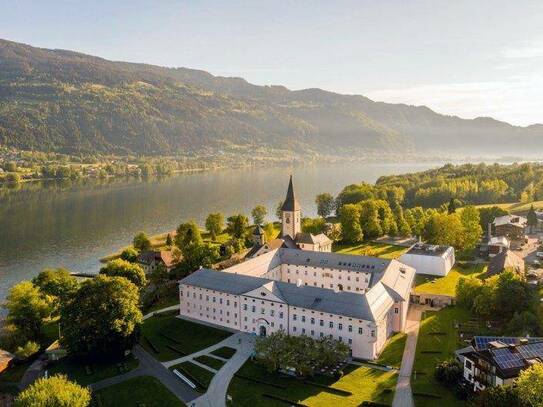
[
  {"x": 141, "y": 242},
  {"x": 279, "y": 211},
  {"x": 270, "y": 232},
  {"x": 27, "y": 308},
  {"x": 237, "y": 225},
  {"x": 188, "y": 233},
  {"x": 349, "y": 217},
  {"x": 55, "y": 391},
  {"x": 215, "y": 224},
  {"x": 58, "y": 283},
  {"x": 404, "y": 229},
  {"x": 258, "y": 213},
  {"x": 444, "y": 229},
  {"x": 169, "y": 240},
  {"x": 370, "y": 222},
  {"x": 122, "y": 268},
  {"x": 471, "y": 222},
  {"x": 325, "y": 204},
  {"x": 532, "y": 219},
  {"x": 451, "y": 208},
  {"x": 102, "y": 318}
]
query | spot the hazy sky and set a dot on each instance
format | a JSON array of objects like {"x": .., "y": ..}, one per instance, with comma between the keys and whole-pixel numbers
[{"x": 469, "y": 58}]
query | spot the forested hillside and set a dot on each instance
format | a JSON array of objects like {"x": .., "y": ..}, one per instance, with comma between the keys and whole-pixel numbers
[{"x": 55, "y": 100}]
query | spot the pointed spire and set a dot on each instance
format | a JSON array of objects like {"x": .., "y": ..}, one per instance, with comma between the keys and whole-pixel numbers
[{"x": 291, "y": 203}]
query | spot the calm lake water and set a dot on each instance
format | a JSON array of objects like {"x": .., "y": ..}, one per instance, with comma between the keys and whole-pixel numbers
[{"x": 52, "y": 225}]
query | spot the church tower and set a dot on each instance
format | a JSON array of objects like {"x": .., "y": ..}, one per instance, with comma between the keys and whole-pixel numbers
[{"x": 291, "y": 222}]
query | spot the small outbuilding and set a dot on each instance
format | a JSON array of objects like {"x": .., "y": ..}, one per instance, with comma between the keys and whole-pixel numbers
[
  {"x": 429, "y": 259},
  {"x": 5, "y": 359}
]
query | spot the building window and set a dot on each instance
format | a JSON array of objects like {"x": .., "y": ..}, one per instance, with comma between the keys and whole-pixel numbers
[
  {"x": 321, "y": 322},
  {"x": 321, "y": 335},
  {"x": 281, "y": 315},
  {"x": 350, "y": 341},
  {"x": 303, "y": 318},
  {"x": 395, "y": 310},
  {"x": 312, "y": 332},
  {"x": 244, "y": 307},
  {"x": 293, "y": 329},
  {"x": 294, "y": 317},
  {"x": 340, "y": 327},
  {"x": 272, "y": 313},
  {"x": 303, "y": 331},
  {"x": 350, "y": 328},
  {"x": 253, "y": 308},
  {"x": 331, "y": 324},
  {"x": 373, "y": 334},
  {"x": 262, "y": 311},
  {"x": 359, "y": 331},
  {"x": 468, "y": 364},
  {"x": 312, "y": 321}
]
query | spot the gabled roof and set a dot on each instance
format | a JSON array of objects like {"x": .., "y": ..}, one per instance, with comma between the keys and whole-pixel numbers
[
  {"x": 503, "y": 260},
  {"x": 291, "y": 203},
  {"x": 309, "y": 238},
  {"x": 513, "y": 220}
]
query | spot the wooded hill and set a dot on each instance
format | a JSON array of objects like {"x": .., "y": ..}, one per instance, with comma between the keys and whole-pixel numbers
[{"x": 56, "y": 100}]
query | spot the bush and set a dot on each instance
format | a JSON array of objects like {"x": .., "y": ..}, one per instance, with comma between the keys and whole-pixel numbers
[
  {"x": 449, "y": 372},
  {"x": 25, "y": 352},
  {"x": 130, "y": 254},
  {"x": 54, "y": 391}
]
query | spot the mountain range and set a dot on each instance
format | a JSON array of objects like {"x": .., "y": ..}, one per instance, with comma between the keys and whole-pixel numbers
[{"x": 57, "y": 100}]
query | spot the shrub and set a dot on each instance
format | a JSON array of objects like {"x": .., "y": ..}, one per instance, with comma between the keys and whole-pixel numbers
[
  {"x": 27, "y": 350},
  {"x": 448, "y": 372}
]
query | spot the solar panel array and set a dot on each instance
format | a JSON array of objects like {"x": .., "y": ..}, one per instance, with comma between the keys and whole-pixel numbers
[
  {"x": 532, "y": 350},
  {"x": 506, "y": 359},
  {"x": 481, "y": 342}
]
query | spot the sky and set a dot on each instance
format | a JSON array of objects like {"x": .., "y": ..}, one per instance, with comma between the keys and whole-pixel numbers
[{"x": 466, "y": 58}]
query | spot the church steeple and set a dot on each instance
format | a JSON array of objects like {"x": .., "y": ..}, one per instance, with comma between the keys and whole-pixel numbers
[{"x": 291, "y": 222}]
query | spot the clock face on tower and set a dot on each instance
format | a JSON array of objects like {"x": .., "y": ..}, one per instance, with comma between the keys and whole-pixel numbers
[{"x": 287, "y": 219}]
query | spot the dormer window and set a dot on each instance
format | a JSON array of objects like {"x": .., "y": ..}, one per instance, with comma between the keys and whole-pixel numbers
[{"x": 263, "y": 294}]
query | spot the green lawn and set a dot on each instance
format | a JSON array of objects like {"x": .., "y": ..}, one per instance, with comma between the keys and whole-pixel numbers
[
  {"x": 211, "y": 362},
  {"x": 139, "y": 391},
  {"x": 187, "y": 337},
  {"x": 364, "y": 384},
  {"x": 442, "y": 346},
  {"x": 392, "y": 354},
  {"x": 425, "y": 284},
  {"x": 198, "y": 373},
  {"x": 224, "y": 352},
  {"x": 76, "y": 369},
  {"x": 385, "y": 251}
]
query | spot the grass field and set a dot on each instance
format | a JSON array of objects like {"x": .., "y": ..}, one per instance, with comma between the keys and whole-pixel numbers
[
  {"x": 139, "y": 391},
  {"x": 199, "y": 374},
  {"x": 438, "y": 339},
  {"x": 211, "y": 362},
  {"x": 224, "y": 352},
  {"x": 425, "y": 284},
  {"x": 364, "y": 383},
  {"x": 385, "y": 251},
  {"x": 76, "y": 370},
  {"x": 188, "y": 337},
  {"x": 516, "y": 207}
]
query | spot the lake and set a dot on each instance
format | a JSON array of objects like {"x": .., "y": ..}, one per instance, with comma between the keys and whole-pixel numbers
[{"x": 63, "y": 225}]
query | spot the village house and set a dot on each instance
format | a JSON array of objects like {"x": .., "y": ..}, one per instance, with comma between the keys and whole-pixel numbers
[
  {"x": 505, "y": 260},
  {"x": 150, "y": 260},
  {"x": 512, "y": 227},
  {"x": 358, "y": 300},
  {"x": 494, "y": 361}
]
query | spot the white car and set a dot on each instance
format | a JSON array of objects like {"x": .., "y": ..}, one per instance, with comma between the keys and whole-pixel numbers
[
  {"x": 536, "y": 263},
  {"x": 539, "y": 254}
]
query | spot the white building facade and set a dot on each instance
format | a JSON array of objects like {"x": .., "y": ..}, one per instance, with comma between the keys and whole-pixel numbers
[
  {"x": 358, "y": 300},
  {"x": 427, "y": 259}
]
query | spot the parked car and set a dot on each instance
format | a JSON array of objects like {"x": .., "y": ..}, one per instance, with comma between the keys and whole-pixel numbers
[
  {"x": 539, "y": 254},
  {"x": 536, "y": 263}
]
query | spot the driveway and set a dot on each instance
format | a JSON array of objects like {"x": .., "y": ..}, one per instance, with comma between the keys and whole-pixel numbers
[{"x": 403, "y": 396}]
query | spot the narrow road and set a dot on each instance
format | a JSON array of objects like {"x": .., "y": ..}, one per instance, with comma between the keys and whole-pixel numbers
[{"x": 403, "y": 397}]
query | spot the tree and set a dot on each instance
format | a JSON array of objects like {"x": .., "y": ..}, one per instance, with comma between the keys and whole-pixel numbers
[
  {"x": 58, "y": 283},
  {"x": 158, "y": 275},
  {"x": 258, "y": 213},
  {"x": 532, "y": 219},
  {"x": 497, "y": 396},
  {"x": 129, "y": 254},
  {"x": 27, "y": 308},
  {"x": 27, "y": 350},
  {"x": 187, "y": 234},
  {"x": 314, "y": 226},
  {"x": 349, "y": 217},
  {"x": 269, "y": 231},
  {"x": 13, "y": 178},
  {"x": 55, "y": 391},
  {"x": 122, "y": 268},
  {"x": 169, "y": 240},
  {"x": 471, "y": 222},
  {"x": 325, "y": 204},
  {"x": 529, "y": 386},
  {"x": 370, "y": 221},
  {"x": 102, "y": 319},
  {"x": 404, "y": 229},
  {"x": 451, "y": 208},
  {"x": 444, "y": 229},
  {"x": 417, "y": 218},
  {"x": 523, "y": 324},
  {"x": 279, "y": 211},
  {"x": 237, "y": 225},
  {"x": 449, "y": 372},
  {"x": 214, "y": 224},
  {"x": 141, "y": 242},
  {"x": 196, "y": 256}
]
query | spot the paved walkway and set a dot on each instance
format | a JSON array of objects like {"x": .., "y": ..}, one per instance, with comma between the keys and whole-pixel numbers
[
  {"x": 403, "y": 396},
  {"x": 33, "y": 373},
  {"x": 149, "y": 366},
  {"x": 158, "y": 311}
]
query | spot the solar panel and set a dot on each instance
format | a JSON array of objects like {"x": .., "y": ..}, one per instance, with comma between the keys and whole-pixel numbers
[
  {"x": 532, "y": 350},
  {"x": 506, "y": 359}
]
